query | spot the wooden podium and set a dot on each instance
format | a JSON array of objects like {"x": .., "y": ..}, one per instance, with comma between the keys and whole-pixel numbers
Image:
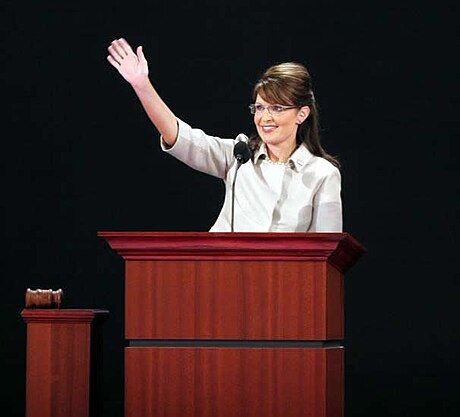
[
  {"x": 64, "y": 361},
  {"x": 234, "y": 324}
]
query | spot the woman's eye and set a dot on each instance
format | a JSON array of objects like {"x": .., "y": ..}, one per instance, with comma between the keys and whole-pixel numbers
[
  {"x": 277, "y": 109},
  {"x": 259, "y": 108}
]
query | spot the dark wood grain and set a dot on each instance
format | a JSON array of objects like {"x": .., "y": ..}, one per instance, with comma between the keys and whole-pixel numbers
[
  {"x": 63, "y": 362},
  {"x": 228, "y": 300},
  {"x": 204, "y": 382},
  {"x": 335, "y": 320}
]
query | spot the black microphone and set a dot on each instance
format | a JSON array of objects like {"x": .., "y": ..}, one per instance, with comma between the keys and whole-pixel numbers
[
  {"x": 242, "y": 152},
  {"x": 242, "y": 155}
]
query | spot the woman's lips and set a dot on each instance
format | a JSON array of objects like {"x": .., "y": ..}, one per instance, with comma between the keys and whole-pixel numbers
[{"x": 268, "y": 129}]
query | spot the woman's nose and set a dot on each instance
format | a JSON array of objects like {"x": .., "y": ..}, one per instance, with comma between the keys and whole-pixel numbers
[{"x": 266, "y": 115}]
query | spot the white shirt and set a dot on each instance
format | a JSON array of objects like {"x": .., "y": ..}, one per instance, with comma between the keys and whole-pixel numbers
[{"x": 301, "y": 196}]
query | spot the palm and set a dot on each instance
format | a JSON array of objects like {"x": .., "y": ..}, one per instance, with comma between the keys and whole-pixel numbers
[{"x": 132, "y": 67}]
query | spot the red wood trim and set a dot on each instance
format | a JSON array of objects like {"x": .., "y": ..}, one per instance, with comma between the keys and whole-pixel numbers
[
  {"x": 65, "y": 316},
  {"x": 339, "y": 249}
]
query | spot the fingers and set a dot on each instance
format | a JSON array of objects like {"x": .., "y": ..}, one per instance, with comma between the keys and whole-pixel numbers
[
  {"x": 113, "y": 62},
  {"x": 124, "y": 45},
  {"x": 140, "y": 54},
  {"x": 118, "y": 50}
]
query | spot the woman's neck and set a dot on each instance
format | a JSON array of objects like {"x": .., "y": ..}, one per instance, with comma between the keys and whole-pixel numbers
[{"x": 280, "y": 154}]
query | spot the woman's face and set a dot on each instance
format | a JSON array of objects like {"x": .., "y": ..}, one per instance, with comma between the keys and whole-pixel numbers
[{"x": 277, "y": 129}]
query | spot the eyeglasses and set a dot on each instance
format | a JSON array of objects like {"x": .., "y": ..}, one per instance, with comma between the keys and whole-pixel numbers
[{"x": 273, "y": 109}]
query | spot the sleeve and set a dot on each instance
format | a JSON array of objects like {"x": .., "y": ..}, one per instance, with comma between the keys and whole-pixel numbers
[
  {"x": 327, "y": 205},
  {"x": 208, "y": 154}
]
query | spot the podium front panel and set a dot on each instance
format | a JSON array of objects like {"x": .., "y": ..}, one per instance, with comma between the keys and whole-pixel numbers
[
  {"x": 233, "y": 300},
  {"x": 207, "y": 382}
]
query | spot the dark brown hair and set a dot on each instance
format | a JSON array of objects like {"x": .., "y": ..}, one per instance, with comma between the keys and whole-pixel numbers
[{"x": 290, "y": 84}]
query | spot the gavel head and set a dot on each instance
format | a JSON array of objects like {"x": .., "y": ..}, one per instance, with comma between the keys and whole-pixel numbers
[{"x": 44, "y": 298}]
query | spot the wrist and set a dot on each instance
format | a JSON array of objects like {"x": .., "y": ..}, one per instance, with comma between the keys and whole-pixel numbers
[{"x": 141, "y": 85}]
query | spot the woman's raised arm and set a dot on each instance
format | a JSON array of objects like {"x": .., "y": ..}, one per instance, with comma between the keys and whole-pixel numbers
[{"x": 134, "y": 68}]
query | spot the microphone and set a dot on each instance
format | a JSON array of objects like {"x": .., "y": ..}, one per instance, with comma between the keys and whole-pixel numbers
[
  {"x": 242, "y": 155},
  {"x": 242, "y": 152}
]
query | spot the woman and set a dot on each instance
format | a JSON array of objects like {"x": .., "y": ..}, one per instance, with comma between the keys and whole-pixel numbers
[{"x": 290, "y": 184}]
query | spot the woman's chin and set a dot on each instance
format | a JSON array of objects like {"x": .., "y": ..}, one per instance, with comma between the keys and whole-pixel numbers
[
  {"x": 269, "y": 140},
  {"x": 267, "y": 137}
]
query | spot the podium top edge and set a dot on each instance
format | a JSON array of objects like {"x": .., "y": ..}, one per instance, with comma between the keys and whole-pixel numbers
[
  {"x": 227, "y": 235},
  {"x": 64, "y": 315},
  {"x": 339, "y": 249}
]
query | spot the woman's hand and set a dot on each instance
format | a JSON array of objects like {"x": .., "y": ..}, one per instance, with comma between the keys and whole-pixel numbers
[{"x": 132, "y": 66}]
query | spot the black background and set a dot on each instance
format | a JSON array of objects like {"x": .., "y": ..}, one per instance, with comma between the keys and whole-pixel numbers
[{"x": 80, "y": 156}]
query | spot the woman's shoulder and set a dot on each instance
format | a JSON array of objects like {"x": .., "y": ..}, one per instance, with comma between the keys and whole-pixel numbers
[
  {"x": 321, "y": 166},
  {"x": 324, "y": 166}
]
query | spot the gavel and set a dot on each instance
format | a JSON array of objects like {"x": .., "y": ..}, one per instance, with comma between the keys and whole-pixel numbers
[{"x": 44, "y": 298}]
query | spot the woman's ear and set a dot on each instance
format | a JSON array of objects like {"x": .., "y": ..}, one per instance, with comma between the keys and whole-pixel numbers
[{"x": 303, "y": 114}]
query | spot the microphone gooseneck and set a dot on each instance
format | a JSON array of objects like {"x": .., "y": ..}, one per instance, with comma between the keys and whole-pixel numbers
[{"x": 242, "y": 155}]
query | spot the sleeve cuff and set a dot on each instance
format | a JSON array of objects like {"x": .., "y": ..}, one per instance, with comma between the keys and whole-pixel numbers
[{"x": 182, "y": 130}]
